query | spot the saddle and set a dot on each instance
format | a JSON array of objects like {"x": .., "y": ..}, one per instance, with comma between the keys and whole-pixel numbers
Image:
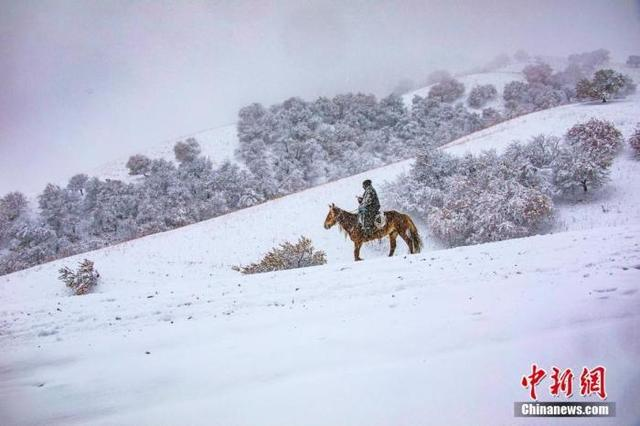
[{"x": 380, "y": 220}]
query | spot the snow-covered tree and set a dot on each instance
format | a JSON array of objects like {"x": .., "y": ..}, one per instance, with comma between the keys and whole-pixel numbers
[
  {"x": 516, "y": 95},
  {"x": 578, "y": 170},
  {"x": 433, "y": 123},
  {"x": 485, "y": 207},
  {"x": 252, "y": 122},
  {"x": 599, "y": 138},
  {"x": 12, "y": 206},
  {"x": 538, "y": 73},
  {"x": 544, "y": 96},
  {"x": 33, "y": 243},
  {"x": 475, "y": 199},
  {"x": 521, "y": 98},
  {"x": 634, "y": 141},
  {"x": 589, "y": 61},
  {"x": 138, "y": 165},
  {"x": 606, "y": 84},
  {"x": 187, "y": 150},
  {"x": 61, "y": 210},
  {"x": 13, "y": 210},
  {"x": 447, "y": 90},
  {"x": 77, "y": 183},
  {"x": 238, "y": 187},
  {"x": 491, "y": 117},
  {"x": 115, "y": 211},
  {"x": 391, "y": 111},
  {"x": 531, "y": 164},
  {"x": 481, "y": 94},
  {"x": 542, "y": 150},
  {"x": 584, "y": 159}
]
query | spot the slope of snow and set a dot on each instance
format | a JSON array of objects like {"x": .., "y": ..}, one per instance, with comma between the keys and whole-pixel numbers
[
  {"x": 440, "y": 336},
  {"x": 427, "y": 339},
  {"x": 219, "y": 144},
  {"x": 624, "y": 114},
  {"x": 498, "y": 78},
  {"x": 618, "y": 203}
]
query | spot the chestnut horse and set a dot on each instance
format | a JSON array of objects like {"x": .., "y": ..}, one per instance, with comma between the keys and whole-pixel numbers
[{"x": 397, "y": 224}]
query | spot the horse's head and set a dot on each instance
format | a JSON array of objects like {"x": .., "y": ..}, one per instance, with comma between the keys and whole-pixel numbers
[{"x": 332, "y": 216}]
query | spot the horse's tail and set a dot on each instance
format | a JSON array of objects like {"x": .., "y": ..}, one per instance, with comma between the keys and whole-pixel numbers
[{"x": 416, "y": 241}]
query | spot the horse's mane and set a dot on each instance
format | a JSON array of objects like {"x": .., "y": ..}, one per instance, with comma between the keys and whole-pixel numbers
[{"x": 340, "y": 226}]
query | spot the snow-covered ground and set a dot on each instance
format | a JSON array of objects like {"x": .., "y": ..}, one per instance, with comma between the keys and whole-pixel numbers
[
  {"x": 437, "y": 337},
  {"x": 440, "y": 336}
]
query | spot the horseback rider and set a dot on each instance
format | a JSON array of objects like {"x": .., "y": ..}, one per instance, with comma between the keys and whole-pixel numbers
[{"x": 369, "y": 207}]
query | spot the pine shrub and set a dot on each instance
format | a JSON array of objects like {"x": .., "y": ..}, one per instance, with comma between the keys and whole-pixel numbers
[
  {"x": 81, "y": 281},
  {"x": 287, "y": 256}
]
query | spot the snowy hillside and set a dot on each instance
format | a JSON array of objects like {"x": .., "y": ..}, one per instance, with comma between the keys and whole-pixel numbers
[
  {"x": 498, "y": 78},
  {"x": 441, "y": 336},
  {"x": 173, "y": 335},
  {"x": 218, "y": 144}
]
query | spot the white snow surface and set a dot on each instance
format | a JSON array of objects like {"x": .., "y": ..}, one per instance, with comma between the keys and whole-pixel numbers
[{"x": 172, "y": 335}]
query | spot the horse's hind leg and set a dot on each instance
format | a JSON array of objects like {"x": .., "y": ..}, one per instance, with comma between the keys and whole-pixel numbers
[
  {"x": 407, "y": 240},
  {"x": 356, "y": 251},
  {"x": 392, "y": 243}
]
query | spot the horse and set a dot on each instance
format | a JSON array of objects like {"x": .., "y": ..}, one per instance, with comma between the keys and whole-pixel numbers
[{"x": 398, "y": 224}]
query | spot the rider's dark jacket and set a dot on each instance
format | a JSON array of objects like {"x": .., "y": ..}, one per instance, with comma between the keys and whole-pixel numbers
[
  {"x": 369, "y": 208},
  {"x": 370, "y": 202}
]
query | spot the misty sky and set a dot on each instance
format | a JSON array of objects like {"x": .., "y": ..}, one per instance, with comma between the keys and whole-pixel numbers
[{"x": 83, "y": 82}]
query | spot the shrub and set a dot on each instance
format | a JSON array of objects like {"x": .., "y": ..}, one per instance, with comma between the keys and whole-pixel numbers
[
  {"x": 577, "y": 169},
  {"x": 606, "y": 84},
  {"x": 186, "y": 151},
  {"x": 83, "y": 280},
  {"x": 288, "y": 256},
  {"x": 516, "y": 97},
  {"x": 583, "y": 161},
  {"x": 477, "y": 199},
  {"x": 477, "y": 212},
  {"x": 634, "y": 141},
  {"x": 447, "y": 90},
  {"x": 588, "y": 61},
  {"x": 138, "y": 165},
  {"x": 538, "y": 73},
  {"x": 480, "y": 95},
  {"x": 491, "y": 116},
  {"x": 599, "y": 137}
]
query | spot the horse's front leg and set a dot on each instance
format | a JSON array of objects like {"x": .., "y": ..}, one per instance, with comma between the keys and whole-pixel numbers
[{"x": 356, "y": 250}]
